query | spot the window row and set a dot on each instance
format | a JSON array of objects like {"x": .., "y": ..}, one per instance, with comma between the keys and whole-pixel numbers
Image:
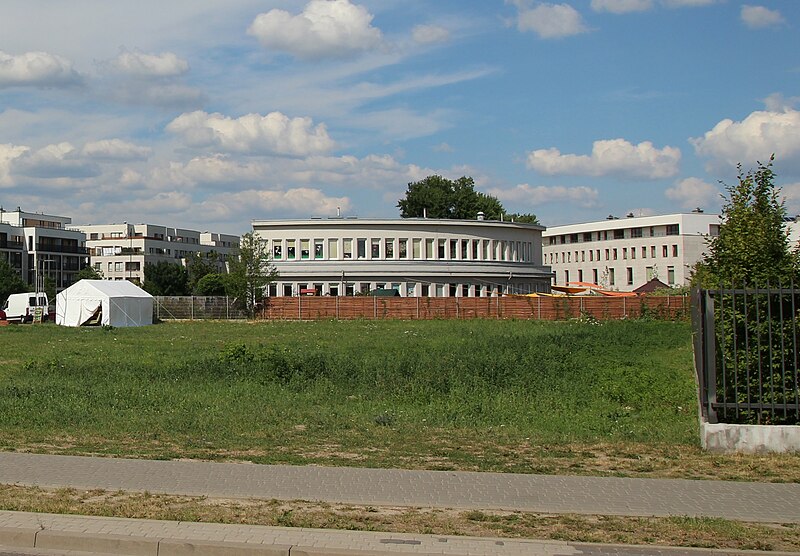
[
  {"x": 607, "y": 277},
  {"x": 619, "y": 233},
  {"x": 401, "y": 248},
  {"x": 406, "y": 289},
  {"x": 610, "y": 254}
]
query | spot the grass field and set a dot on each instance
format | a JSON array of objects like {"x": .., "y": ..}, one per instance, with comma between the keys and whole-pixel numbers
[{"x": 566, "y": 397}]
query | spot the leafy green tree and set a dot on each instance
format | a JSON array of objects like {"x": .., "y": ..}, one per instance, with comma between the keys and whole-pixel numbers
[
  {"x": 525, "y": 218},
  {"x": 752, "y": 247},
  {"x": 164, "y": 278},
  {"x": 250, "y": 271},
  {"x": 213, "y": 283},
  {"x": 89, "y": 273},
  {"x": 10, "y": 281},
  {"x": 439, "y": 197},
  {"x": 199, "y": 265}
]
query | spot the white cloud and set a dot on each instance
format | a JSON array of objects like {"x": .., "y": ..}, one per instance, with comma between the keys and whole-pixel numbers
[
  {"x": 693, "y": 192},
  {"x": 8, "y": 153},
  {"x": 528, "y": 195},
  {"x": 36, "y": 69},
  {"x": 443, "y": 148},
  {"x": 255, "y": 204},
  {"x": 759, "y": 17},
  {"x": 776, "y": 102},
  {"x": 140, "y": 64},
  {"x": 212, "y": 170},
  {"x": 115, "y": 150},
  {"x": 429, "y": 34},
  {"x": 613, "y": 157},
  {"x": 55, "y": 161},
  {"x": 757, "y": 137},
  {"x": 551, "y": 21},
  {"x": 274, "y": 133},
  {"x": 622, "y": 6},
  {"x": 325, "y": 29}
]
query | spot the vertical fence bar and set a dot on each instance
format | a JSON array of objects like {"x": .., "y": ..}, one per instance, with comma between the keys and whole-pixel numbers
[
  {"x": 735, "y": 344},
  {"x": 722, "y": 345},
  {"x": 784, "y": 399},
  {"x": 769, "y": 351},
  {"x": 794, "y": 349},
  {"x": 758, "y": 352},
  {"x": 747, "y": 346},
  {"x": 709, "y": 342}
]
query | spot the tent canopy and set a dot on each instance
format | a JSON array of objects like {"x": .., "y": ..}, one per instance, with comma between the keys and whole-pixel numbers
[{"x": 104, "y": 302}]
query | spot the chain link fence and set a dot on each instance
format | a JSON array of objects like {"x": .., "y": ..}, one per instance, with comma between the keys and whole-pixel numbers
[{"x": 197, "y": 308}]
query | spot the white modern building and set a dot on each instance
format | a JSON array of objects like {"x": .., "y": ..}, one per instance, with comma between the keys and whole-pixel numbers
[
  {"x": 419, "y": 257},
  {"x": 121, "y": 251},
  {"x": 625, "y": 253},
  {"x": 39, "y": 245}
]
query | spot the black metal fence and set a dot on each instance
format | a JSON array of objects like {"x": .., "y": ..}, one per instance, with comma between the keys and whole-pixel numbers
[{"x": 746, "y": 354}]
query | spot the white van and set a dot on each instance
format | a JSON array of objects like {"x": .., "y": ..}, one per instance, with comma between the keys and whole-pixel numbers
[{"x": 21, "y": 307}]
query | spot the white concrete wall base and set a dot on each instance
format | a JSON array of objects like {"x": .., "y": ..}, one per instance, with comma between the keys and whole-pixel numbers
[{"x": 749, "y": 439}]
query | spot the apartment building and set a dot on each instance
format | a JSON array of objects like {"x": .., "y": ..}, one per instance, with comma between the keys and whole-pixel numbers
[
  {"x": 419, "y": 257},
  {"x": 625, "y": 253},
  {"x": 40, "y": 246},
  {"x": 121, "y": 251}
]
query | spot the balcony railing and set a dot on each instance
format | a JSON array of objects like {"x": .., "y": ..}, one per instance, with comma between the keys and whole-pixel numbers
[
  {"x": 48, "y": 248},
  {"x": 16, "y": 245}
]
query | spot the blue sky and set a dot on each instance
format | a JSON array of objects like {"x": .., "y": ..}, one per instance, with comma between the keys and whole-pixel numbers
[{"x": 209, "y": 114}]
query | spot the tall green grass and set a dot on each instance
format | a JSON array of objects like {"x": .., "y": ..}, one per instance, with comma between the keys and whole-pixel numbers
[{"x": 238, "y": 386}]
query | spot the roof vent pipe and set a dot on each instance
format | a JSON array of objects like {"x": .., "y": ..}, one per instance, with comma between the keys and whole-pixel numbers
[{"x": 481, "y": 215}]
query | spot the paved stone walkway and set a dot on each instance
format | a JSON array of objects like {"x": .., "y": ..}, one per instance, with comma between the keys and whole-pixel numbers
[{"x": 759, "y": 502}]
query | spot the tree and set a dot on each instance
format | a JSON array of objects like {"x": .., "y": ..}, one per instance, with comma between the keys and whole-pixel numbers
[
  {"x": 250, "y": 271},
  {"x": 213, "y": 283},
  {"x": 525, "y": 218},
  {"x": 164, "y": 278},
  {"x": 199, "y": 265},
  {"x": 10, "y": 281},
  {"x": 752, "y": 247},
  {"x": 439, "y": 197},
  {"x": 89, "y": 273}
]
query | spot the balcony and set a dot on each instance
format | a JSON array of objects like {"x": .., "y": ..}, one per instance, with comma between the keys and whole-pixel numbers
[
  {"x": 15, "y": 245},
  {"x": 47, "y": 248}
]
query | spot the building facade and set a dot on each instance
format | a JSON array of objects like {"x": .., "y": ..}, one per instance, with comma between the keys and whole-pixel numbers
[
  {"x": 40, "y": 246},
  {"x": 419, "y": 257},
  {"x": 625, "y": 253},
  {"x": 121, "y": 251}
]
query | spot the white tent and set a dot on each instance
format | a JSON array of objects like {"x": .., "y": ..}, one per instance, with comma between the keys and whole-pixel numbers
[{"x": 116, "y": 303}]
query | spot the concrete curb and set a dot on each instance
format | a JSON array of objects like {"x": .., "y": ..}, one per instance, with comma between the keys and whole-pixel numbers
[{"x": 102, "y": 535}]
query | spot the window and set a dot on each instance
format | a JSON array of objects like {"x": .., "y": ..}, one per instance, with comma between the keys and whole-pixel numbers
[
  {"x": 361, "y": 246},
  {"x": 652, "y": 251},
  {"x": 333, "y": 290},
  {"x": 663, "y": 250},
  {"x": 304, "y": 248},
  {"x": 624, "y": 253},
  {"x": 636, "y": 232},
  {"x": 615, "y": 254},
  {"x": 619, "y": 234},
  {"x": 611, "y": 277},
  {"x": 629, "y": 273},
  {"x": 290, "y": 252},
  {"x": 287, "y": 290},
  {"x": 426, "y": 290},
  {"x": 475, "y": 245},
  {"x": 487, "y": 248},
  {"x": 591, "y": 255},
  {"x": 594, "y": 276},
  {"x": 110, "y": 266},
  {"x": 347, "y": 248},
  {"x": 118, "y": 267},
  {"x": 416, "y": 248},
  {"x": 318, "y": 249},
  {"x": 349, "y": 289},
  {"x": 333, "y": 249},
  {"x": 583, "y": 256},
  {"x": 439, "y": 290},
  {"x": 464, "y": 248},
  {"x": 587, "y": 236},
  {"x": 441, "y": 249},
  {"x": 429, "y": 242},
  {"x": 580, "y": 275},
  {"x": 375, "y": 249},
  {"x": 644, "y": 252},
  {"x": 566, "y": 277},
  {"x": 402, "y": 248},
  {"x": 97, "y": 266},
  {"x": 132, "y": 266},
  {"x": 608, "y": 254},
  {"x": 671, "y": 275},
  {"x": 673, "y": 229},
  {"x": 674, "y": 250},
  {"x": 453, "y": 248},
  {"x": 573, "y": 238},
  {"x": 277, "y": 250},
  {"x": 389, "y": 248},
  {"x": 633, "y": 252}
]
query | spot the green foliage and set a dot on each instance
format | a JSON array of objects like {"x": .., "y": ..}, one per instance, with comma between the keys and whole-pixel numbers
[
  {"x": 89, "y": 273},
  {"x": 526, "y": 218},
  {"x": 250, "y": 271},
  {"x": 752, "y": 247},
  {"x": 164, "y": 278},
  {"x": 10, "y": 281},
  {"x": 199, "y": 265},
  {"x": 211, "y": 284},
  {"x": 439, "y": 197}
]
